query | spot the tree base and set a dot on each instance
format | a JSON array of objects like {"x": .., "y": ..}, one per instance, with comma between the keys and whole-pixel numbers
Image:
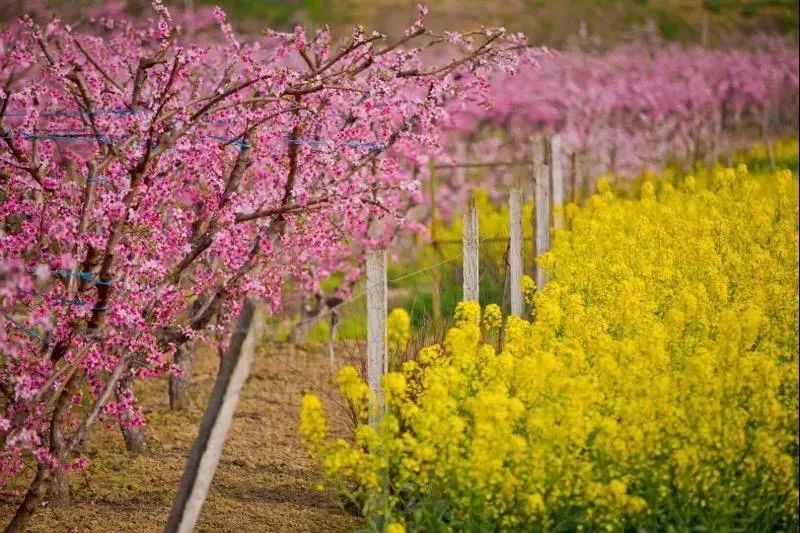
[{"x": 179, "y": 384}]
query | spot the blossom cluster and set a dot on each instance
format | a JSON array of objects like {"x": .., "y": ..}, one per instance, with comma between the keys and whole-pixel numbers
[{"x": 654, "y": 388}]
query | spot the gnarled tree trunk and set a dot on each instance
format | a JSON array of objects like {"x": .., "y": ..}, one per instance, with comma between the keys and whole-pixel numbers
[
  {"x": 203, "y": 309},
  {"x": 135, "y": 436},
  {"x": 310, "y": 312},
  {"x": 58, "y": 494},
  {"x": 33, "y": 500},
  {"x": 179, "y": 384}
]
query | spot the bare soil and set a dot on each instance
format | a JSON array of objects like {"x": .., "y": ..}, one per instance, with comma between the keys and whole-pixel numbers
[{"x": 265, "y": 480}]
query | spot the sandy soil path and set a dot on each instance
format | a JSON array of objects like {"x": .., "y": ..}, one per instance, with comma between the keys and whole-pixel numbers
[{"x": 265, "y": 480}]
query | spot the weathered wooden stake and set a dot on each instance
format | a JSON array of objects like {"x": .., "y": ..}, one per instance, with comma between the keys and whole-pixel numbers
[
  {"x": 436, "y": 275},
  {"x": 575, "y": 177},
  {"x": 377, "y": 362},
  {"x": 766, "y": 135},
  {"x": 541, "y": 184},
  {"x": 436, "y": 286},
  {"x": 332, "y": 336},
  {"x": 515, "y": 251},
  {"x": 217, "y": 420},
  {"x": 557, "y": 181},
  {"x": 471, "y": 252},
  {"x": 716, "y": 139}
]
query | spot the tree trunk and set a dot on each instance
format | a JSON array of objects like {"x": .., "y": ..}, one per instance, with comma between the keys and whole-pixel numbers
[
  {"x": 58, "y": 495},
  {"x": 135, "y": 436},
  {"x": 332, "y": 337},
  {"x": 310, "y": 311},
  {"x": 41, "y": 484},
  {"x": 33, "y": 500},
  {"x": 179, "y": 383},
  {"x": 135, "y": 439}
]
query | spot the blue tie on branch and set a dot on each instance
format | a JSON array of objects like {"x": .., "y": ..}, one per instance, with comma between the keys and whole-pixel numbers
[{"x": 85, "y": 276}]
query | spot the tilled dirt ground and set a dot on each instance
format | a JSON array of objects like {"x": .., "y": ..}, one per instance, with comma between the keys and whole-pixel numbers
[{"x": 265, "y": 480}]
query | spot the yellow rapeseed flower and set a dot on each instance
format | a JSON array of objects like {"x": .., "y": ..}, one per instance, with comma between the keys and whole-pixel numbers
[
  {"x": 492, "y": 317},
  {"x": 656, "y": 386},
  {"x": 398, "y": 330},
  {"x": 528, "y": 287}
]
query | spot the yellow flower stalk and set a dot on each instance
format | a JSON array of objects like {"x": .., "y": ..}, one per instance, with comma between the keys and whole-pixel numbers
[{"x": 398, "y": 330}]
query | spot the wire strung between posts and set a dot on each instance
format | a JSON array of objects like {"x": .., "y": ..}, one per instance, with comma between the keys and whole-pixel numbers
[
  {"x": 332, "y": 309},
  {"x": 352, "y": 143},
  {"x": 32, "y": 332},
  {"x": 395, "y": 280},
  {"x": 479, "y": 164},
  {"x": 89, "y": 335},
  {"x": 80, "y": 113},
  {"x": 80, "y": 136},
  {"x": 353, "y": 299},
  {"x": 232, "y": 141},
  {"x": 65, "y": 136},
  {"x": 83, "y": 113},
  {"x": 74, "y": 301},
  {"x": 86, "y": 276}
]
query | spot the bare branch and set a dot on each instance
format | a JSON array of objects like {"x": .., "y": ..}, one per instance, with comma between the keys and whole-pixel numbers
[
  {"x": 96, "y": 65},
  {"x": 111, "y": 383}
]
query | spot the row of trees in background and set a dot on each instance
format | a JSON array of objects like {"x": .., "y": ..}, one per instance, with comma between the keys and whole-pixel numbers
[
  {"x": 548, "y": 21},
  {"x": 631, "y": 109}
]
